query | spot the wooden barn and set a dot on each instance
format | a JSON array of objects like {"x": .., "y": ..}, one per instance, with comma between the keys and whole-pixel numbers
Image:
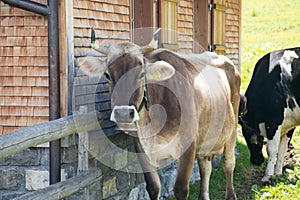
[
  {"x": 23, "y": 40},
  {"x": 196, "y": 26}
]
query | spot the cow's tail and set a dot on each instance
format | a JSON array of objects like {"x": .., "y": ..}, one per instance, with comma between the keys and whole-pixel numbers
[{"x": 242, "y": 107}]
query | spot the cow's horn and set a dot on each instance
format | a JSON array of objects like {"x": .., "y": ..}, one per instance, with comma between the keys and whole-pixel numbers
[
  {"x": 153, "y": 43},
  {"x": 104, "y": 48}
]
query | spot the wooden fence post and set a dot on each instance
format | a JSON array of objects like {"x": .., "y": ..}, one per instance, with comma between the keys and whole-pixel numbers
[
  {"x": 83, "y": 145},
  {"x": 83, "y": 152}
]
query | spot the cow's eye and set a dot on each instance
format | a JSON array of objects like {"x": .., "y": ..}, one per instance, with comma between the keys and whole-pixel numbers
[{"x": 107, "y": 76}]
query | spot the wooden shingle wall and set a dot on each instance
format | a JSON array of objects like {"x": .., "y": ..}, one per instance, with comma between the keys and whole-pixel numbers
[
  {"x": 232, "y": 30},
  {"x": 111, "y": 21},
  {"x": 185, "y": 26},
  {"x": 23, "y": 68}
]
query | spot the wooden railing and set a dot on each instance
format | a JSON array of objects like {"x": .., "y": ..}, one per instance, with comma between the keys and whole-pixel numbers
[{"x": 32, "y": 136}]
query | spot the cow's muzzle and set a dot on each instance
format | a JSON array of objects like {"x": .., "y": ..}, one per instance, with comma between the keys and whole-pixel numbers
[{"x": 124, "y": 114}]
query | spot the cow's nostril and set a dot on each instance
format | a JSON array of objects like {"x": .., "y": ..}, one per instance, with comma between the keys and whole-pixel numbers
[{"x": 131, "y": 113}]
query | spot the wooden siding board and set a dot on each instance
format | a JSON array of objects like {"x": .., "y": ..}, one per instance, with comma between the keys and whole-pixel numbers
[
  {"x": 6, "y": 71},
  {"x": 23, "y": 81},
  {"x": 23, "y": 68},
  {"x": 41, "y": 111},
  {"x": 17, "y": 111},
  {"x": 36, "y": 120},
  {"x": 39, "y": 81},
  {"x": 37, "y": 70},
  {"x": 15, "y": 101},
  {"x": 232, "y": 27},
  {"x": 40, "y": 91},
  {"x": 38, "y": 101},
  {"x": 185, "y": 26},
  {"x": 21, "y": 91}
]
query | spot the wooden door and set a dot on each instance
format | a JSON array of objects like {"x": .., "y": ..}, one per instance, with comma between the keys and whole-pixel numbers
[
  {"x": 201, "y": 26},
  {"x": 142, "y": 17}
]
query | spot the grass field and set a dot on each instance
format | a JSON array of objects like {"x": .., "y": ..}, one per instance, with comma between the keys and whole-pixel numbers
[{"x": 267, "y": 25}]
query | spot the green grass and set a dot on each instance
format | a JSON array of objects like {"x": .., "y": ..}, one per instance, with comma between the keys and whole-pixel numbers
[{"x": 267, "y": 25}]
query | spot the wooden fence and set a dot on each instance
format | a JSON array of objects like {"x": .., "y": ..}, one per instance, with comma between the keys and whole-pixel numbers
[{"x": 32, "y": 136}]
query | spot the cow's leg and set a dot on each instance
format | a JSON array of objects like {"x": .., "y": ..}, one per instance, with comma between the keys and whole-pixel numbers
[
  {"x": 150, "y": 174},
  {"x": 283, "y": 146},
  {"x": 205, "y": 171},
  {"x": 185, "y": 167},
  {"x": 228, "y": 165},
  {"x": 272, "y": 150}
]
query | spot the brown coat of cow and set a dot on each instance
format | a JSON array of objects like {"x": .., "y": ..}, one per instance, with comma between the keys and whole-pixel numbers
[{"x": 191, "y": 110}]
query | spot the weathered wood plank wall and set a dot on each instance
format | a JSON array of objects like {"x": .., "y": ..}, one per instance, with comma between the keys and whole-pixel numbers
[{"x": 23, "y": 68}]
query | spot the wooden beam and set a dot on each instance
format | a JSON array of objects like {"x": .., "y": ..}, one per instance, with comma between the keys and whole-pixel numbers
[
  {"x": 65, "y": 188},
  {"x": 83, "y": 145},
  {"x": 63, "y": 59},
  {"x": 31, "y": 136}
]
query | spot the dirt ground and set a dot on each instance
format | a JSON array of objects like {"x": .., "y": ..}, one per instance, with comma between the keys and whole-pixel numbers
[{"x": 254, "y": 176}]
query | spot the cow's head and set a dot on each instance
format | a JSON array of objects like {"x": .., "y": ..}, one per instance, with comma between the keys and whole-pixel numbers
[
  {"x": 254, "y": 141},
  {"x": 128, "y": 73}
]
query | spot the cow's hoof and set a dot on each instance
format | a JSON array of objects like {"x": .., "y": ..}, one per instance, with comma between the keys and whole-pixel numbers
[{"x": 266, "y": 180}]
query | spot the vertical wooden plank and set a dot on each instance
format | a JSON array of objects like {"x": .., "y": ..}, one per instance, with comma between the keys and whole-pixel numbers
[
  {"x": 201, "y": 26},
  {"x": 155, "y": 14},
  {"x": 63, "y": 57},
  {"x": 70, "y": 52},
  {"x": 83, "y": 144},
  {"x": 66, "y": 62},
  {"x": 83, "y": 153},
  {"x": 143, "y": 17}
]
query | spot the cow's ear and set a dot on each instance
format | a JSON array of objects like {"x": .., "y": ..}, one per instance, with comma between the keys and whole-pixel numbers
[
  {"x": 160, "y": 71},
  {"x": 91, "y": 66}
]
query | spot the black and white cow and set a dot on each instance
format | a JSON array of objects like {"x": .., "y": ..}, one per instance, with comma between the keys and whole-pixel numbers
[{"x": 273, "y": 107}]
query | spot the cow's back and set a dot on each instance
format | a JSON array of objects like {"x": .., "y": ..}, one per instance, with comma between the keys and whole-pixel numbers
[{"x": 216, "y": 85}]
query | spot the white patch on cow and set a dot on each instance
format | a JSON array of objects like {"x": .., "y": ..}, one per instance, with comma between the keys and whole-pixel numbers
[
  {"x": 282, "y": 149},
  {"x": 262, "y": 129},
  {"x": 291, "y": 117},
  {"x": 277, "y": 148},
  {"x": 272, "y": 150},
  {"x": 286, "y": 61}
]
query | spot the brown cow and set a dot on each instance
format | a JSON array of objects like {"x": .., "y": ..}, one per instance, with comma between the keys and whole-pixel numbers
[{"x": 181, "y": 106}]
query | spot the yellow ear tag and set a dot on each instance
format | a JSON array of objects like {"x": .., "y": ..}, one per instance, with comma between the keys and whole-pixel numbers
[{"x": 156, "y": 75}]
